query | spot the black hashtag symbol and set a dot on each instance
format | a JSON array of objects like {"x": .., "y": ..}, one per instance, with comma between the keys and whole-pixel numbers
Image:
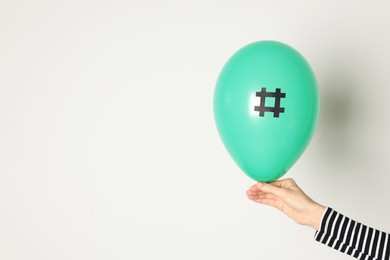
[{"x": 276, "y": 108}]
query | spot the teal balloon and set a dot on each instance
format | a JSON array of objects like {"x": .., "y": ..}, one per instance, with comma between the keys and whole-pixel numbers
[{"x": 266, "y": 107}]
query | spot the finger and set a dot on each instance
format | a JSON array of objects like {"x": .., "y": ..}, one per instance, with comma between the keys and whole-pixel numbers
[
  {"x": 253, "y": 187},
  {"x": 268, "y": 202},
  {"x": 262, "y": 196},
  {"x": 284, "y": 183},
  {"x": 253, "y": 192},
  {"x": 275, "y": 190}
]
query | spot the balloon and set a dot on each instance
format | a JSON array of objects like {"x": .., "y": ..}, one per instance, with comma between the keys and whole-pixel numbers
[{"x": 266, "y": 107}]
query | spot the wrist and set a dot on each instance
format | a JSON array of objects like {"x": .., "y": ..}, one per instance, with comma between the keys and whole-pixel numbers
[{"x": 314, "y": 217}]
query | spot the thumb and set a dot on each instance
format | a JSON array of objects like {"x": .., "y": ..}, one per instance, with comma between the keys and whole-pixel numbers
[{"x": 272, "y": 189}]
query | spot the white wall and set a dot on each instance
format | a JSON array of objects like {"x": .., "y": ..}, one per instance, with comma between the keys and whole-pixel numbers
[{"x": 108, "y": 148}]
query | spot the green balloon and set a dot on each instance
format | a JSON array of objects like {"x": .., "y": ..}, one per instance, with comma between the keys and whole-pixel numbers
[{"x": 266, "y": 107}]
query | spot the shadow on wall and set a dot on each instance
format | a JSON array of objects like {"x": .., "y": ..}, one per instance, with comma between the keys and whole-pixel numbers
[{"x": 337, "y": 127}]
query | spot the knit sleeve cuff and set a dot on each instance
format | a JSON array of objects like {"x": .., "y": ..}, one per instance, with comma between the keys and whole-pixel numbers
[{"x": 325, "y": 218}]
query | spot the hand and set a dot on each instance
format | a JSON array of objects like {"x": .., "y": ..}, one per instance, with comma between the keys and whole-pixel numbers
[{"x": 286, "y": 196}]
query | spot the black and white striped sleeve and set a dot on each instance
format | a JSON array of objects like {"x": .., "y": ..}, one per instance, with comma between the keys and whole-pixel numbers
[{"x": 353, "y": 238}]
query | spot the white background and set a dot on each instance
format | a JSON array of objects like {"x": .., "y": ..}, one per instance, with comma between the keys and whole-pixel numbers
[{"x": 108, "y": 147}]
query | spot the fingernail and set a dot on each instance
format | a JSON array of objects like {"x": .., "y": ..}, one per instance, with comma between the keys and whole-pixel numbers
[{"x": 260, "y": 184}]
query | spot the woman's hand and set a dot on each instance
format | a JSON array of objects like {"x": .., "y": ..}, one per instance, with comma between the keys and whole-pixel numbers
[{"x": 286, "y": 196}]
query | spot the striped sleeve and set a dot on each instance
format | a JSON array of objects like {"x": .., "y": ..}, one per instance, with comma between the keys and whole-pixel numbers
[{"x": 353, "y": 238}]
